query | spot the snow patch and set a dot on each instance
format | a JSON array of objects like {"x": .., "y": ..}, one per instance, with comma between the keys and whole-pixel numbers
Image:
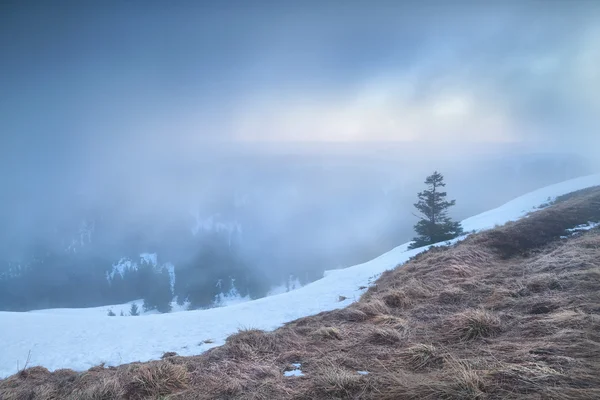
[
  {"x": 231, "y": 297},
  {"x": 581, "y": 228},
  {"x": 584, "y": 227},
  {"x": 294, "y": 372},
  {"x": 292, "y": 284}
]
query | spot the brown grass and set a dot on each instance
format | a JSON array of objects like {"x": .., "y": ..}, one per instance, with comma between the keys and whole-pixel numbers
[
  {"x": 156, "y": 379},
  {"x": 328, "y": 332},
  {"x": 422, "y": 357},
  {"x": 105, "y": 389},
  {"x": 336, "y": 382},
  {"x": 384, "y": 336},
  {"x": 511, "y": 313},
  {"x": 472, "y": 324},
  {"x": 397, "y": 299}
]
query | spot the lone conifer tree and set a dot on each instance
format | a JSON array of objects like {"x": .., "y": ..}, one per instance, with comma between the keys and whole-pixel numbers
[
  {"x": 434, "y": 225},
  {"x": 134, "y": 310}
]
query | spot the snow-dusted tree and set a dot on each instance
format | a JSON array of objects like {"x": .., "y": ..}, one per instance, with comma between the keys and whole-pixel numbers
[
  {"x": 434, "y": 225},
  {"x": 134, "y": 310}
]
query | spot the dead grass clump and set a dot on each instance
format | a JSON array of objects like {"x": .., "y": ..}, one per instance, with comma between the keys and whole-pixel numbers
[
  {"x": 453, "y": 295},
  {"x": 327, "y": 333},
  {"x": 392, "y": 321},
  {"x": 338, "y": 382},
  {"x": 473, "y": 324},
  {"x": 416, "y": 289},
  {"x": 527, "y": 375},
  {"x": 36, "y": 373},
  {"x": 155, "y": 379},
  {"x": 422, "y": 357},
  {"x": 45, "y": 391},
  {"x": 105, "y": 389},
  {"x": 458, "y": 382},
  {"x": 373, "y": 307},
  {"x": 353, "y": 315},
  {"x": 501, "y": 298},
  {"x": 543, "y": 307},
  {"x": 458, "y": 271},
  {"x": 543, "y": 282},
  {"x": 385, "y": 336},
  {"x": 537, "y": 328},
  {"x": 397, "y": 299},
  {"x": 249, "y": 341}
]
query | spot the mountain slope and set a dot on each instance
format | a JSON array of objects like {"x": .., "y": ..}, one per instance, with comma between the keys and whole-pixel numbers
[
  {"x": 508, "y": 313},
  {"x": 89, "y": 341}
]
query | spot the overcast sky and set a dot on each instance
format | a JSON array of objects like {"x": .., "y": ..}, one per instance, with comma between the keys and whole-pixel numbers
[
  {"x": 114, "y": 93},
  {"x": 76, "y": 72},
  {"x": 90, "y": 86}
]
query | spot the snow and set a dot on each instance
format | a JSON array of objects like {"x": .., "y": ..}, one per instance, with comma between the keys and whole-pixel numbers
[
  {"x": 362, "y": 372},
  {"x": 293, "y": 283},
  {"x": 103, "y": 310},
  {"x": 581, "y": 228},
  {"x": 80, "y": 339},
  {"x": 231, "y": 297},
  {"x": 149, "y": 258},
  {"x": 294, "y": 372},
  {"x": 123, "y": 265},
  {"x": 584, "y": 227}
]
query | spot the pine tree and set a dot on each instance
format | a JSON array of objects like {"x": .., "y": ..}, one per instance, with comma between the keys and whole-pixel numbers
[
  {"x": 434, "y": 225},
  {"x": 134, "y": 311},
  {"x": 111, "y": 313},
  {"x": 159, "y": 295}
]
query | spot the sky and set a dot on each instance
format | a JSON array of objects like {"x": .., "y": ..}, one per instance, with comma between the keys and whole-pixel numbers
[
  {"x": 89, "y": 73},
  {"x": 105, "y": 95}
]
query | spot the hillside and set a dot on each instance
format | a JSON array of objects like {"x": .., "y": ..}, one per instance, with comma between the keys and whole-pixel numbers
[{"x": 510, "y": 312}]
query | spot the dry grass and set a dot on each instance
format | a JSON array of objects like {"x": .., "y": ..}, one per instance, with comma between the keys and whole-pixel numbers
[
  {"x": 391, "y": 321},
  {"x": 422, "y": 357},
  {"x": 353, "y": 315},
  {"x": 385, "y": 336},
  {"x": 398, "y": 299},
  {"x": 457, "y": 382},
  {"x": 334, "y": 382},
  {"x": 511, "y": 313},
  {"x": 472, "y": 324},
  {"x": 327, "y": 332},
  {"x": 156, "y": 379},
  {"x": 105, "y": 389},
  {"x": 373, "y": 307},
  {"x": 453, "y": 295}
]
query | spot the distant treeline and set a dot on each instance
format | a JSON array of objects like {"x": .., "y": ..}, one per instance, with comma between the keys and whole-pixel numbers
[{"x": 68, "y": 279}]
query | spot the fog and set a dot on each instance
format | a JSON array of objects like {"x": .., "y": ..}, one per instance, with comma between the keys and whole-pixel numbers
[{"x": 304, "y": 130}]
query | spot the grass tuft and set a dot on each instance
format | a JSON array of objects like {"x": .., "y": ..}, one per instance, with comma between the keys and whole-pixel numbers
[{"x": 472, "y": 325}]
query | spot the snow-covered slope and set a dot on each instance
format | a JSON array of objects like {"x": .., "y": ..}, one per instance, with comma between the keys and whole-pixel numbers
[{"x": 81, "y": 340}]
